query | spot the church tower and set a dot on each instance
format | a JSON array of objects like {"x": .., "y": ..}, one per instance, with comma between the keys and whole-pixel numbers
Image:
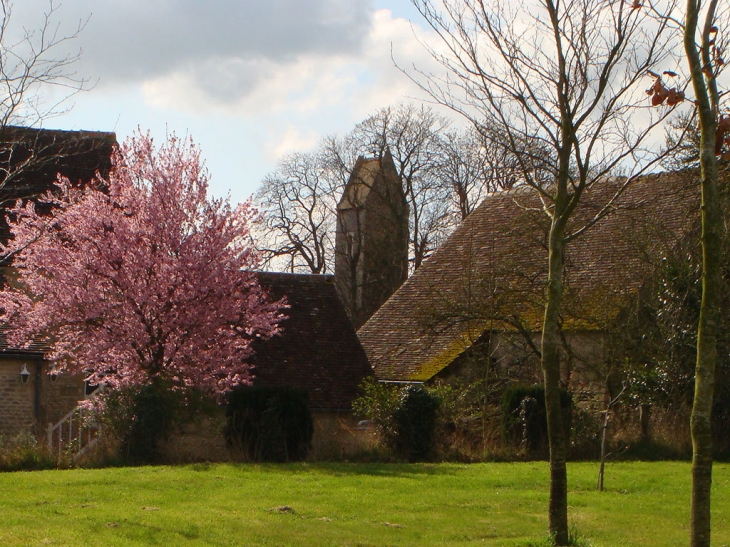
[{"x": 371, "y": 244}]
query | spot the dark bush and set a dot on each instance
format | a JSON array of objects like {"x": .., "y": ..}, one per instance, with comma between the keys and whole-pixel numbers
[
  {"x": 585, "y": 434},
  {"x": 270, "y": 423},
  {"x": 143, "y": 417},
  {"x": 155, "y": 410},
  {"x": 524, "y": 420},
  {"x": 415, "y": 421},
  {"x": 721, "y": 418}
]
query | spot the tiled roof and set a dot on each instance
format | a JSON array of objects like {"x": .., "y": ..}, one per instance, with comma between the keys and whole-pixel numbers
[
  {"x": 35, "y": 348},
  {"x": 317, "y": 349},
  {"x": 31, "y": 159},
  {"x": 491, "y": 273}
]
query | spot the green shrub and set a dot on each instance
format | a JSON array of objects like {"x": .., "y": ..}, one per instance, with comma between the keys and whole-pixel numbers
[
  {"x": 378, "y": 403},
  {"x": 415, "y": 421},
  {"x": 524, "y": 420},
  {"x": 270, "y": 423},
  {"x": 463, "y": 425}
]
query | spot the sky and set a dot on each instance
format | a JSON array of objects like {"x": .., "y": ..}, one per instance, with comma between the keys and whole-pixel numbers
[{"x": 249, "y": 80}]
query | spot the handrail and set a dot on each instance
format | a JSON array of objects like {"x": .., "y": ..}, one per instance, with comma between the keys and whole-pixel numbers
[{"x": 74, "y": 432}]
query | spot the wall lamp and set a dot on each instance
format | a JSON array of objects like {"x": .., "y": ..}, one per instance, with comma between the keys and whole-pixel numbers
[
  {"x": 53, "y": 373},
  {"x": 24, "y": 374}
]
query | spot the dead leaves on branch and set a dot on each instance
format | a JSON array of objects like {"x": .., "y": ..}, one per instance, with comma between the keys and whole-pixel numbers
[
  {"x": 716, "y": 52},
  {"x": 661, "y": 94}
]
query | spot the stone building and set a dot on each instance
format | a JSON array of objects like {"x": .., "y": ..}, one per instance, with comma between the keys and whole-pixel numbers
[
  {"x": 478, "y": 301},
  {"x": 317, "y": 350},
  {"x": 371, "y": 244}
]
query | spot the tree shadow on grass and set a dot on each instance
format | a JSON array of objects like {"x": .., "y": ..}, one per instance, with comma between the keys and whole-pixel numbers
[{"x": 370, "y": 469}]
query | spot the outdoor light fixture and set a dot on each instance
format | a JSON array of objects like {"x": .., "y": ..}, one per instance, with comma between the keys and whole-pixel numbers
[
  {"x": 53, "y": 373},
  {"x": 24, "y": 374}
]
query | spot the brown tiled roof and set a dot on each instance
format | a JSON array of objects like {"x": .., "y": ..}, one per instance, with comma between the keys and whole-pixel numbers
[
  {"x": 490, "y": 274},
  {"x": 317, "y": 349},
  {"x": 35, "y": 348},
  {"x": 31, "y": 159}
]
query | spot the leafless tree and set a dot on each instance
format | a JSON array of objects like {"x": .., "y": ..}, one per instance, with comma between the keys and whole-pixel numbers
[
  {"x": 35, "y": 65},
  {"x": 299, "y": 199},
  {"x": 445, "y": 172},
  {"x": 473, "y": 165},
  {"x": 299, "y": 212},
  {"x": 566, "y": 78},
  {"x": 413, "y": 136}
]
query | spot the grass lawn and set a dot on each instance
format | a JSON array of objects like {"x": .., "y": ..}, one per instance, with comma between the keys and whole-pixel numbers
[{"x": 356, "y": 505}]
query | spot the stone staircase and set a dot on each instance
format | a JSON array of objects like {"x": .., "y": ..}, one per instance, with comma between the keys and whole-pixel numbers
[{"x": 75, "y": 434}]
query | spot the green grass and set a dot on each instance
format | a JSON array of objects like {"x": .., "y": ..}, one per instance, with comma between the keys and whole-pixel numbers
[{"x": 355, "y": 505}]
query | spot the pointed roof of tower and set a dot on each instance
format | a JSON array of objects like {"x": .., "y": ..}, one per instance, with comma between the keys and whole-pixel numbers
[{"x": 363, "y": 178}]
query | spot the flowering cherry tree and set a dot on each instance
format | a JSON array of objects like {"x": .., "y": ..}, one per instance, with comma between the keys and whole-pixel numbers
[{"x": 143, "y": 277}]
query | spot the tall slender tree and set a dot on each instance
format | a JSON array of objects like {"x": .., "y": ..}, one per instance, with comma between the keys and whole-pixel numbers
[
  {"x": 704, "y": 57},
  {"x": 561, "y": 80}
]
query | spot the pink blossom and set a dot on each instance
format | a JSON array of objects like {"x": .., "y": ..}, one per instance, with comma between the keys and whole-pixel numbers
[{"x": 148, "y": 278}]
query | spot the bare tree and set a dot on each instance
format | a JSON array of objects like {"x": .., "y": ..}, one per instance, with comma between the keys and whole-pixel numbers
[
  {"x": 474, "y": 165},
  {"x": 445, "y": 172},
  {"x": 705, "y": 51},
  {"x": 34, "y": 62},
  {"x": 299, "y": 202},
  {"x": 562, "y": 77},
  {"x": 442, "y": 170}
]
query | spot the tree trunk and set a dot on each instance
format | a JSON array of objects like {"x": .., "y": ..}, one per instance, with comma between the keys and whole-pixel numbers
[
  {"x": 701, "y": 420},
  {"x": 705, "y": 88},
  {"x": 644, "y": 417},
  {"x": 602, "y": 466},
  {"x": 558, "y": 507}
]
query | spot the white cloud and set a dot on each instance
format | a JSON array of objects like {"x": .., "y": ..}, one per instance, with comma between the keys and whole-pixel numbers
[
  {"x": 133, "y": 40},
  {"x": 393, "y": 44},
  {"x": 354, "y": 84},
  {"x": 294, "y": 139},
  {"x": 252, "y": 80}
]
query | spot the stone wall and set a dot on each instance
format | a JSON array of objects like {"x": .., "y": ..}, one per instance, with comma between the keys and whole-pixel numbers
[
  {"x": 29, "y": 407},
  {"x": 58, "y": 398},
  {"x": 17, "y": 400},
  {"x": 337, "y": 435}
]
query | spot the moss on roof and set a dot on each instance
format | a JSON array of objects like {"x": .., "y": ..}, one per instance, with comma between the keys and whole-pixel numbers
[{"x": 491, "y": 272}]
